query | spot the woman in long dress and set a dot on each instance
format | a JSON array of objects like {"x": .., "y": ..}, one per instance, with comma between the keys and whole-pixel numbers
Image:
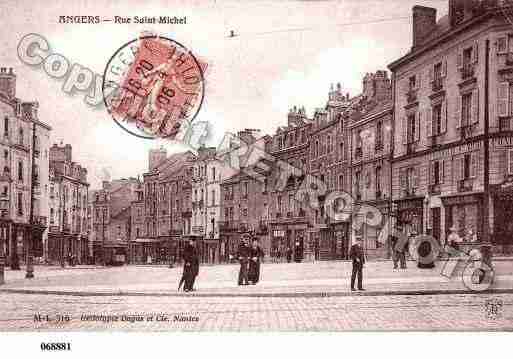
[{"x": 256, "y": 255}]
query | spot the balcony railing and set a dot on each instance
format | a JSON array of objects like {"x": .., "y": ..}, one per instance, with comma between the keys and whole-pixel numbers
[
  {"x": 437, "y": 84},
  {"x": 434, "y": 188},
  {"x": 465, "y": 185},
  {"x": 467, "y": 71}
]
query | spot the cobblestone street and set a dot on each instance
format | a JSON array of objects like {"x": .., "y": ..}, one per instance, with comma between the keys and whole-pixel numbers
[
  {"x": 438, "y": 312},
  {"x": 290, "y": 297}
]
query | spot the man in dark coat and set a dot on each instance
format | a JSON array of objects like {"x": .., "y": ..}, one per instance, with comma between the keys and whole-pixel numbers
[
  {"x": 358, "y": 259},
  {"x": 255, "y": 255},
  {"x": 190, "y": 265},
  {"x": 243, "y": 255}
]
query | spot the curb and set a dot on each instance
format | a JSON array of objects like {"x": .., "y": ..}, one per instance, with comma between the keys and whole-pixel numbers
[{"x": 259, "y": 295}]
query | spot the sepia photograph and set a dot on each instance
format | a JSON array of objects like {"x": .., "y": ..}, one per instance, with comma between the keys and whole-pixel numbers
[{"x": 255, "y": 166}]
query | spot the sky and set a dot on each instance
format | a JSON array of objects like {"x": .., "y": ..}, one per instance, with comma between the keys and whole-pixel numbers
[{"x": 285, "y": 53}]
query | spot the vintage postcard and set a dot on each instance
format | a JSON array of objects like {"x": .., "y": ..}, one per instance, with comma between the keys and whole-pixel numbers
[{"x": 253, "y": 166}]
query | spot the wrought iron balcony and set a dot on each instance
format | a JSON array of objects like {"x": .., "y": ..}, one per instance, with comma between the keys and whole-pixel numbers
[
  {"x": 437, "y": 84},
  {"x": 467, "y": 71}
]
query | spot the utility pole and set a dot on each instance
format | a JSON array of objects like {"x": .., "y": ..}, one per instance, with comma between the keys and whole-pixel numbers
[
  {"x": 103, "y": 237},
  {"x": 486, "y": 168},
  {"x": 61, "y": 242}
]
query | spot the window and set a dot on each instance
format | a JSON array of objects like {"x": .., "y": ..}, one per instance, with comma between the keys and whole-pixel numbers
[
  {"x": 51, "y": 215},
  {"x": 466, "y": 109},
  {"x": 20, "y": 203},
  {"x": 358, "y": 139},
  {"x": 510, "y": 161},
  {"x": 317, "y": 149},
  {"x": 6, "y": 154},
  {"x": 6, "y": 126},
  {"x": 437, "y": 172},
  {"x": 20, "y": 137},
  {"x": 357, "y": 182},
  {"x": 213, "y": 173},
  {"x": 410, "y": 178},
  {"x": 245, "y": 212},
  {"x": 378, "y": 179},
  {"x": 36, "y": 174},
  {"x": 341, "y": 148},
  {"x": 340, "y": 182},
  {"x": 467, "y": 56},
  {"x": 329, "y": 144},
  {"x": 20, "y": 171},
  {"x": 4, "y": 191},
  {"x": 264, "y": 187},
  {"x": 411, "y": 128},
  {"x": 466, "y": 166},
  {"x": 437, "y": 119},
  {"x": 213, "y": 203},
  {"x": 279, "y": 204},
  {"x": 412, "y": 83},
  {"x": 379, "y": 134},
  {"x": 437, "y": 71}
]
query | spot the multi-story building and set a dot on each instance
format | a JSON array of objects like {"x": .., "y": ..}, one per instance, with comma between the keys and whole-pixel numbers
[
  {"x": 244, "y": 197},
  {"x": 166, "y": 202},
  {"x": 24, "y": 186},
  {"x": 329, "y": 162},
  {"x": 288, "y": 219},
  {"x": 68, "y": 202},
  {"x": 111, "y": 220},
  {"x": 370, "y": 126},
  {"x": 456, "y": 78}
]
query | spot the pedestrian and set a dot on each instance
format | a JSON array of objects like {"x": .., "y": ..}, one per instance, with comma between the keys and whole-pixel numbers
[
  {"x": 289, "y": 254},
  {"x": 256, "y": 254},
  {"x": 454, "y": 238},
  {"x": 243, "y": 255},
  {"x": 190, "y": 266},
  {"x": 358, "y": 258},
  {"x": 395, "y": 252},
  {"x": 298, "y": 253}
]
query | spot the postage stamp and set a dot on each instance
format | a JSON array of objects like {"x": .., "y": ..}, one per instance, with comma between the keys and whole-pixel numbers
[{"x": 159, "y": 84}]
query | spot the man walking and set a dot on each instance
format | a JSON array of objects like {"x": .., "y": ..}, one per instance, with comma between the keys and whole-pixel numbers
[
  {"x": 243, "y": 255},
  {"x": 190, "y": 266},
  {"x": 358, "y": 259}
]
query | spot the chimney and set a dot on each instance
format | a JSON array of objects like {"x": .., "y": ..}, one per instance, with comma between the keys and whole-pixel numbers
[
  {"x": 7, "y": 82},
  {"x": 424, "y": 21}
]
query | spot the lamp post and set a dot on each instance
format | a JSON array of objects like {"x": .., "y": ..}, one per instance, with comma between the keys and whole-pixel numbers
[
  {"x": 103, "y": 237},
  {"x": 4, "y": 225}
]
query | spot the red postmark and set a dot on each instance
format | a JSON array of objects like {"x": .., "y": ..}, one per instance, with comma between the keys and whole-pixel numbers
[{"x": 160, "y": 88}]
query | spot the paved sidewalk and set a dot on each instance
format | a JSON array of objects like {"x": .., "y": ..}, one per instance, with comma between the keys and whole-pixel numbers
[{"x": 278, "y": 280}]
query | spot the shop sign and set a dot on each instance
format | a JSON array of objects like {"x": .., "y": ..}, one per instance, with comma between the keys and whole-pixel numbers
[{"x": 278, "y": 233}]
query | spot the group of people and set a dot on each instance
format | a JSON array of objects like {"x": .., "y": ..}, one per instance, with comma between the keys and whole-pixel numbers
[{"x": 250, "y": 258}]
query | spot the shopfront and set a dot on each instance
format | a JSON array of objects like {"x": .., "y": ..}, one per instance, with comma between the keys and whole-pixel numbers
[
  {"x": 503, "y": 212},
  {"x": 410, "y": 215},
  {"x": 465, "y": 212}
]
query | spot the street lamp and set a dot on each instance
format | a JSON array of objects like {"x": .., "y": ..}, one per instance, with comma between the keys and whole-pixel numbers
[{"x": 4, "y": 223}]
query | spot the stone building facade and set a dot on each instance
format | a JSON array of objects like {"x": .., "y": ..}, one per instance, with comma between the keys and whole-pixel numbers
[
  {"x": 68, "y": 193},
  {"x": 370, "y": 126},
  {"x": 24, "y": 143},
  {"x": 441, "y": 106}
]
